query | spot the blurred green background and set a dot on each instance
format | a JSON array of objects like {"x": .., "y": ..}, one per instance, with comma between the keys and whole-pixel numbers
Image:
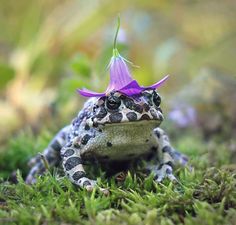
[{"x": 50, "y": 48}]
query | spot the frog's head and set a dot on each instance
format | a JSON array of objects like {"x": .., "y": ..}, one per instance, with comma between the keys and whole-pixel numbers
[{"x": 118, "y": 108}]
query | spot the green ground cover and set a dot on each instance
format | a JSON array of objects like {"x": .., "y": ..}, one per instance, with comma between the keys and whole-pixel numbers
[{"x": 205, "y": 195}]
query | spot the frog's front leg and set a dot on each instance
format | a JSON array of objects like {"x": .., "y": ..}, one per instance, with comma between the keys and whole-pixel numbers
[
  {"x": 168, "y": 157},
  {"x": 51, "y": 154},
  {"x": 73, "y": 166}
]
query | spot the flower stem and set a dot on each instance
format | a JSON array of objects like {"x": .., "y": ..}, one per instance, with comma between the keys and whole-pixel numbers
[{"x": 117, "y": 31}]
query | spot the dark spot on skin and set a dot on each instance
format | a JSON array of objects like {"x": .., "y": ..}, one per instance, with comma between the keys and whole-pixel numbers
[
  {"x": 155, "y": 177},
  {"x": 56, "y": 145},
  {"x": 168, "y": 171},
  {"x": 161, "y": 117},
  {"x": 63, "y": 135},
  {"x": 169, "y": 163},
  {"x": 86, "y": 183},
  {"x": 138, "y": 108},
  {"x": 68, "y": 152},
  {"x": 74, "y": 121},
  {"x": 83, "y": 114},
  {"x": 69, "y": 144},
  {"x": 153, "y": 113},
  {"x": 50, "y": 158},
  {"x": 167, "y": 149},
  {"x": 95, "y": 124},
  {"x": 77, "y": 120},
  {"x": 147, "y": 94},
  {"x": 148, "y": 97},
  {"x": 129, "y": 103},
  {"x": 146, "y": 140},
  {"x": 38, "y": 159},
  {"x": 76, "y": 145},
  {"x": 160, "y": 166},
  {"x": 115, "y": 117},
  {"x": 95, "y": 108},
  {"x": 100, "y": 130},
  {"x": 156, "y": 99},
  {"x": 145, "y": 117},
  {"x": 77, "y": 175},
  {"x": 109, "y": 144},
  {"x": 157, "y": 133},
  {"x": 185, "y": 158},
  {"x": 72, "y": 162},
  {"x": 75, "y": 133},
  {"x": 146, "y": 107},
  {"x": 87, "y": 127},
  {"x": 85, "y": 139},
  {"x": 131, "y": 116},
  {"x": 102, "y": 113}
]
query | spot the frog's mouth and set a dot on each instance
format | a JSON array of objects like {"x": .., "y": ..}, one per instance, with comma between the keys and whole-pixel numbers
[{"x": 118, "y": 117}]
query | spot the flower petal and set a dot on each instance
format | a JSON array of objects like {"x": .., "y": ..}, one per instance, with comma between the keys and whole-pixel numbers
[
  {"x": 159, "y": 83},
  {"x": 121, "y": 80},
  {"x": 132, "y": 88},
  {"x": 88, "y": 93},
  {"x": 119, "y": 74}
]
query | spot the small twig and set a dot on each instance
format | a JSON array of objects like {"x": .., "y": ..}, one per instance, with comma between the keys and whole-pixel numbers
[{"x": 45, "y": 162}]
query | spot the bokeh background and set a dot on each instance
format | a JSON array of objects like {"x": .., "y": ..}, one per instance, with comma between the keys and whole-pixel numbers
[{"x": 50, "y": 48}]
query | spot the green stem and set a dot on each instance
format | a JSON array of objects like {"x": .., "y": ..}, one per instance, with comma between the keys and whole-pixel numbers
[{"x": 115, "y": 51}]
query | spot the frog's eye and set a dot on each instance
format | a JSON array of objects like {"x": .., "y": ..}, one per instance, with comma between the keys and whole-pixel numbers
[
  {"x": 113, "y": 102},
  {"x": 156, "y": 99}
]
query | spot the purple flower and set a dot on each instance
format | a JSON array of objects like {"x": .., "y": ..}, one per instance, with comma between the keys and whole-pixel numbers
[
  {"x": 120, "y": 77},
  {"x": 121, "y": 80},
  {"x": 183, "y": 116}
]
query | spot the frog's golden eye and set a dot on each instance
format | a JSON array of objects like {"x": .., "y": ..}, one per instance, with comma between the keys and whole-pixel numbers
[
  {"x": 156, "y": 99},
  {"x": 113, "y": 102}
]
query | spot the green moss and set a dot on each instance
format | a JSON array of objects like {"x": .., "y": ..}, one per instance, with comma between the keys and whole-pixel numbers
[{"x": 205, "y": 195}]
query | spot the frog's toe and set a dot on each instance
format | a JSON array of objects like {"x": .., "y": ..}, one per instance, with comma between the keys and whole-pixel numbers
[
  {"x": 86, "y": 183},
  {"x": 90, "y": 185},
  {"x": 30, "y": 180},
  {"x": 165, "y": 171},
  {"x": 89, "y": 188},
  {"x": 105, "y": 191}
]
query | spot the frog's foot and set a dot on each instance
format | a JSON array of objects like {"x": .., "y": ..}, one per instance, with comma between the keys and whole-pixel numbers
[
  {"x": 90, "y": 185},
  {"x": 33, "y": 161},
  {"x": 162, "y": 171},
  {"x": 30, "y": 180}
]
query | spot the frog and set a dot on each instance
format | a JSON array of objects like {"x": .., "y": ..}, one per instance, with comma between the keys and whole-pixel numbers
[{"x": 115, "y": 130}]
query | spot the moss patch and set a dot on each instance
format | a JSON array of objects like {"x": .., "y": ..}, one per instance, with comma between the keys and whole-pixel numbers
[{"x": 205, "y": 195}]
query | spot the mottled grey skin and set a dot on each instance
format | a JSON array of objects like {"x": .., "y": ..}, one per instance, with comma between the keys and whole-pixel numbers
[{"x": 114, "y": 130}]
